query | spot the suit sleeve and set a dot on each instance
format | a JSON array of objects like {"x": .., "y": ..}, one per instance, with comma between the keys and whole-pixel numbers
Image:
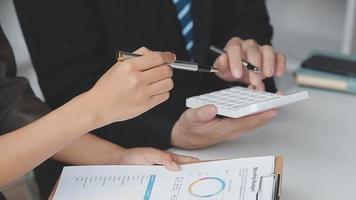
[{"x": 65, "y": 41}]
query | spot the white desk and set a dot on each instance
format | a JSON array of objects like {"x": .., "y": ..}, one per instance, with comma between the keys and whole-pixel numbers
[{"x": 317, "y": 137}]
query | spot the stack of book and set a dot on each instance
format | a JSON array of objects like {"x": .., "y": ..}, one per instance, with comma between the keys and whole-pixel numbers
[{"x": 328, "y": 71}]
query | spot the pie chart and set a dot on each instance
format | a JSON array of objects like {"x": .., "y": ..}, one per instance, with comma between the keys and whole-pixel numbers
[{"x": 207, "y": 187}]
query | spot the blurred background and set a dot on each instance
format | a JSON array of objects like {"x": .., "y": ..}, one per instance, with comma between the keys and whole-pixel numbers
[{"x": 299, "y": 27}]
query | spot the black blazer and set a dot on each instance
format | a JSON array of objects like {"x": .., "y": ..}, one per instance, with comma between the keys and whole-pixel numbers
[
  {"x": 18, "y": 104},
  {"x": 73, "y": 43},
  {"x": 2, "y": 197}
]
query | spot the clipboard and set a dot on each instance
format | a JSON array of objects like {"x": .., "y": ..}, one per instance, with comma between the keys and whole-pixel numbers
[
  {"x": 277, "y": 179},
  {"x": 72, "y": 177}
]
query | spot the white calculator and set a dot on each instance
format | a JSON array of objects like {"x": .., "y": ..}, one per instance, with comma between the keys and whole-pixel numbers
[{"x": 238, "y": 101}]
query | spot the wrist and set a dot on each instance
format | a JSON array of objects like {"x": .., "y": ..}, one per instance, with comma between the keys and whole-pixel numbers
[
  {"x": 76, "y": 115},
  {"x": 178, "y": 138},
  {"x": 89, "y": 110}
]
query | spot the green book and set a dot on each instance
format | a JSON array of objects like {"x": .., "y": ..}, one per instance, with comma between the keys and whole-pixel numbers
[{"x": 326, "y": 80}]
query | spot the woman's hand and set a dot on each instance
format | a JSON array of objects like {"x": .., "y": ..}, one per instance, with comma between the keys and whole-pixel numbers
[
  {"x": 132, "y": 87},
  {"x": 151, "y": 156}
]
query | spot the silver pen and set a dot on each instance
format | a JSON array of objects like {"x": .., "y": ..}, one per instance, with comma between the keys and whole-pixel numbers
[{"x": 178, "y": 64}]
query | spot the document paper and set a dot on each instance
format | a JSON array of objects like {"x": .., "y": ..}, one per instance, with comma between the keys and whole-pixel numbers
[{"x": 236, "y": 179}]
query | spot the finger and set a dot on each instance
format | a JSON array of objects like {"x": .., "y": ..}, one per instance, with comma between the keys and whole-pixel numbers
[
  {"x": 235, "y": 61},
  {"x": 259, "y": 119},
  {"x": 158, "y": 73},
  {"x": 158, "y": 99},
  {"x": 162, "y": 158},
  {"x": 180, "y": 159},
  {"x": 251, "y": 87},
  {"x": 261, "y": 87},
  {"x": 168, "y": 162},
  {"x": 269, "y": 60},
  {"x": 201, "y": 115},
  {"x": 222, "y": 63},
  {"x": 281, "y": 64},
  {"x": 280, "y": 93},
  {"x": 160, "y": 87},
  {"x": 253, "y": 56},
  {"x": 151, "y": 60},
  {"x": 248, "y": 123},
  {"x": 171, "y": 165},
  {"x": 143, "y": 51}
]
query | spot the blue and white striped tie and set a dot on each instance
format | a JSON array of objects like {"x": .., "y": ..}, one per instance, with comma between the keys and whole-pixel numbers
[{"x": 185, "y": 17}]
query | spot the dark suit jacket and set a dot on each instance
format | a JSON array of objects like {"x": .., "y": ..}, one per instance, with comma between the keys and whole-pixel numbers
[{"x": 73, "y": 42}]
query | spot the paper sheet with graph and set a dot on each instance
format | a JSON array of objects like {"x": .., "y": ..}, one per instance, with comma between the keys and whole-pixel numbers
[{"x": 237, "y": 179}]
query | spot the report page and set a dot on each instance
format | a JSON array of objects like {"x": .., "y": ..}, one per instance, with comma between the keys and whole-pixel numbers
[{"x": 236, "y": 179}]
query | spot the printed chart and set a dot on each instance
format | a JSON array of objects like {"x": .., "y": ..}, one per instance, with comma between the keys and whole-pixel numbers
[
  {"x": 215, "y": 185},
  {"x": 207, "y": 187}
]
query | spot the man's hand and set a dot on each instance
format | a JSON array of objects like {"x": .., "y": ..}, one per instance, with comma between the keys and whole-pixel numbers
[
  {"x": 230, "y": 64},
  {"x": 151, "y": 156},
  {"x": 199, "y": 128}
]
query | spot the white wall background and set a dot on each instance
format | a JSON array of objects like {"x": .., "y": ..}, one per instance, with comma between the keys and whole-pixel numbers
[{"x": 305, "y": 25}]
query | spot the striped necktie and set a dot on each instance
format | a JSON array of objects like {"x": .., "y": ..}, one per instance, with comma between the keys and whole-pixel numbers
[{"x": 185, "y": 17}]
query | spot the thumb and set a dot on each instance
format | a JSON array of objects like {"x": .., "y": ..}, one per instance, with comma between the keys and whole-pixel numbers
[
  {"x": 181, "y": 159},
  {"x": 202, "y": 114}
]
